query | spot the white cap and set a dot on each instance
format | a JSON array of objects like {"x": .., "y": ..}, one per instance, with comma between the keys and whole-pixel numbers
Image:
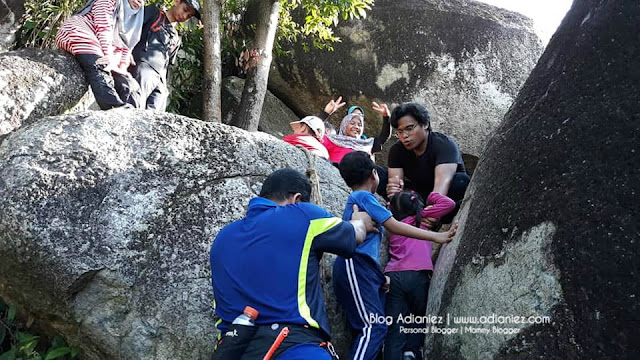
[{"x": 315, "y": 123}]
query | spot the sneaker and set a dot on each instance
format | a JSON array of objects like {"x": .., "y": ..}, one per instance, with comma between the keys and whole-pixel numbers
[{"x": 408, "y": 355}]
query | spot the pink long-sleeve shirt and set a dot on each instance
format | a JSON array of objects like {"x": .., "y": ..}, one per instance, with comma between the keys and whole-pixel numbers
[{"x": 413, "y": 254}]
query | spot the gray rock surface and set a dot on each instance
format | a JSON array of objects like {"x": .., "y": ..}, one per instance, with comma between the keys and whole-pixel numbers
[
  {"x": 37, "y": 83},
  {"x": 466, "y": 61},
  {"x": 106, "y": 220},
  {"x": 275, "y": 117},
  {"x": 550, "y": 224},
  {"x": 10, "y": 13}
]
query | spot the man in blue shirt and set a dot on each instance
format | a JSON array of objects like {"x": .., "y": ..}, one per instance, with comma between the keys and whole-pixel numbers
[{"x": 269, "y": 260}]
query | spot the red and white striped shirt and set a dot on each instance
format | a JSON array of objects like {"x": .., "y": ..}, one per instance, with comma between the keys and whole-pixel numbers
[{"x": 93, "y": 33}]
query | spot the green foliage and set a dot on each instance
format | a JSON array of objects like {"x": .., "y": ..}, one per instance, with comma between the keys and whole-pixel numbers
[
  {"x": 310, "y": 22},
  {"x": 320, "y": 16},
  {"x": 185, "y": 75},
  {"x": 18, "y": 344},
  {"x": 42, "y": 18},
  {"x": 41, "y": 21}
]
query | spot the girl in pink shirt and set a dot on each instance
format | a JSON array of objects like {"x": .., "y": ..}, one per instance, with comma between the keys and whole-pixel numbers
[{"x": 410, "y": 269}]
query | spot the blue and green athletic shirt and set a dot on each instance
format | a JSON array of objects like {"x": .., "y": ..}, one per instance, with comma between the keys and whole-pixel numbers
[
  {"x": 270, "y": 261},
  {"x": 368, "y": 203}
]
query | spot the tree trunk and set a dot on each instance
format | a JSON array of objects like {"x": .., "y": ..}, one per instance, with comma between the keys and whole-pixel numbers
[
  {"x": 212, "y": 81},
  {"x": 255, "y": 86}
]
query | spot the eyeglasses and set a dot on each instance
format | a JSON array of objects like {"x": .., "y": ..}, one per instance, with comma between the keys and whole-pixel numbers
[{"x": 406, "y": 131}]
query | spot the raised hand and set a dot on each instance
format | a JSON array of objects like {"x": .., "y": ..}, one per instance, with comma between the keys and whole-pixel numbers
[
  {"x": 381, "y": 109},
  {"x": 333, "y": 105}
]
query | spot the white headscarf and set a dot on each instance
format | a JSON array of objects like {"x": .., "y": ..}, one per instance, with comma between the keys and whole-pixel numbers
[
  {"x": 128, "y": 24},
  {"x": 346, "y": 141}
]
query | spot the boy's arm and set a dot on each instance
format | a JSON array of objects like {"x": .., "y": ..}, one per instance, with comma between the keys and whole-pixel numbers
[
  {"x": 400, "y": 228},
  {"x": 337, "y": 236},
  {"x": 442, "y": 205}
]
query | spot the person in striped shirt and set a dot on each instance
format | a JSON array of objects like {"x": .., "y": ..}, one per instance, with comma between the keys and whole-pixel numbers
[{"x": 100, "y": 36}]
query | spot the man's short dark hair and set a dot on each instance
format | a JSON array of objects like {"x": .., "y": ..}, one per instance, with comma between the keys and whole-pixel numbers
[
  {"x": 283, "y": 183},
  {"x": 356, "y": 167},
  {"x": 415, "y": 110}
]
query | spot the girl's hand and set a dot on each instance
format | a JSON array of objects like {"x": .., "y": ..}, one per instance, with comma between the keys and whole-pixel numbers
[
  {"x": 381, "y": 109},
  {"x": 333, "y": 105}
]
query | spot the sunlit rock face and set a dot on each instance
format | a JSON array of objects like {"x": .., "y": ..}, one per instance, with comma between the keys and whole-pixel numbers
[
  {"x": 464, "y": 60},
  {"x": 107, "y": 218},
  {"x": 37, "y": 83},
  {"x": 550, "y": 225}
]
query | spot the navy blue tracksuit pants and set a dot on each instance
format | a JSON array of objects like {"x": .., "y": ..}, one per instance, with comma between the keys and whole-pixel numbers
[{"x": 357, "y": 283}]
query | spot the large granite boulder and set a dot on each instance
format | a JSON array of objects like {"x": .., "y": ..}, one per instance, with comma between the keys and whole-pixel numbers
[
  {"x": 275, "y": 117},
  {"x": 37, "y": 83},
  {"x": 466, "y": 61},
  {"x": 106, "y": 220},
  {"x": 10, "y": 13},
  {"x": 550, "y": 225}
]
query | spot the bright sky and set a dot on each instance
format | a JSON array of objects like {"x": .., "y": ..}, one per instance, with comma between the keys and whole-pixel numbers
[{"x": 546, "y": 14}]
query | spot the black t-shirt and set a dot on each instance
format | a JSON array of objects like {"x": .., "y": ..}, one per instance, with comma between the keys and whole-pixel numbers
[{"x": 419, "y": 171}]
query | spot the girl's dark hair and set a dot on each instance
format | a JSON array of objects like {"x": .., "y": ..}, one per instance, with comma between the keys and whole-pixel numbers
[{"x": 405, "y": 204}]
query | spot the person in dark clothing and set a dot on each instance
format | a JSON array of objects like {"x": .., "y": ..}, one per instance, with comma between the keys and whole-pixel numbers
[
  {"x": 428, "y": 161},
  {"x": 158, "y": 47}
]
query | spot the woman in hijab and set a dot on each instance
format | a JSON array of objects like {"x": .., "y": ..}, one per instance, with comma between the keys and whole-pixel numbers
[
  {"x": 350, "y": 136},
  {"x": 100, "y": 36}
]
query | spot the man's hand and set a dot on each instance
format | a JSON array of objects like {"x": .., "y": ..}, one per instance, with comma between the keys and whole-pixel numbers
[
  {"x": 362, "y": 215},
  {"x": 445, "y": 237},
  {"x": 394, "y": 186},
  {"x": 333, "y": 105},
  {"x": 381, "y": 109},
  {"x": 429, "y": 223}
]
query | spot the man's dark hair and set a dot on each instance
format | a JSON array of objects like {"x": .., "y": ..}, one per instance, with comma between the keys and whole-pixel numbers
[
  {"x": 356, "y": 167},
  {"x": 285, "y": 182},
  {"x": 415, "y": 110}
]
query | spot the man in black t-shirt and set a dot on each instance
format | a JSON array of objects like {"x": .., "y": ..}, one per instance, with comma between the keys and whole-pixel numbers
[
  {"x": 424, "y": 160},
  {"x": 158, "y": 47}
]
